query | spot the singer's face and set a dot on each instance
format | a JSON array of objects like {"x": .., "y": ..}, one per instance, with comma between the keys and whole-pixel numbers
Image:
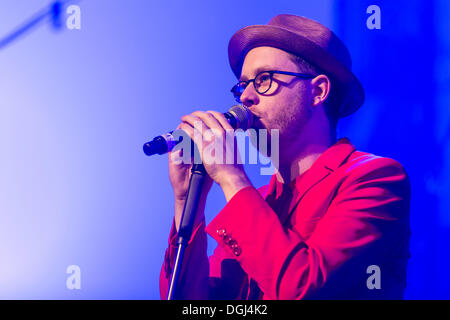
[{"x": 286, "y": 106}]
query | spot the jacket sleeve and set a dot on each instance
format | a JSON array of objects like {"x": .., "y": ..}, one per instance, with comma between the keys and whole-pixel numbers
[
  {"x": 193, "y": 277},
  {"x": 370, "y": 208},
  {"x": 216, "y": 277}
]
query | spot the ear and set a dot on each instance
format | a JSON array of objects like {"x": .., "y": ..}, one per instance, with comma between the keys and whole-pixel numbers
[{"x": 321, "y": 86}]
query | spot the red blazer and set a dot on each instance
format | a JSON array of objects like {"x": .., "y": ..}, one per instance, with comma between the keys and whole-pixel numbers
[{"x": 351, "y": 212}]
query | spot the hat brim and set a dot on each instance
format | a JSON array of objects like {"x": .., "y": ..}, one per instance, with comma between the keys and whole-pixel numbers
[{"x": 272, "y": 36}]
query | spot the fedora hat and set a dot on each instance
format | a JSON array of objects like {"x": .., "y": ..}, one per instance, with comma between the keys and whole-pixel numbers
[{"x": 311, "y": 41}]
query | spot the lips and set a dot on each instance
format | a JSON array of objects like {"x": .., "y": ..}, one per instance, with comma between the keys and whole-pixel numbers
[
  {"x": 257, "y": 124},
  {"x": 255, "y": 116}
]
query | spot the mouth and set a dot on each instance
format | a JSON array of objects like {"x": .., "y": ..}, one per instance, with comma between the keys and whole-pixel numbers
[
  {"x": 255, "y": 117},
  {"x": 257, "y": 123}
]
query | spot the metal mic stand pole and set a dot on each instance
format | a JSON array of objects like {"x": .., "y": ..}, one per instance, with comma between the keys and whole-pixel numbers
[{"x": 187, "y": 222}]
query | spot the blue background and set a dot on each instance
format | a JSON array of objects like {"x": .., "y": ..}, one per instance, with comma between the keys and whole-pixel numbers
[{"x": 77, "y": 105}]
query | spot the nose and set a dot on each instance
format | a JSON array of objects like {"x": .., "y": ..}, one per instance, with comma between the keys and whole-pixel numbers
[{"x": 249, "y": 97}]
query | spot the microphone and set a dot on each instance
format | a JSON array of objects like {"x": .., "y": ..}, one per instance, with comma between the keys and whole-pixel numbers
[{"x": 239, "y": 117}]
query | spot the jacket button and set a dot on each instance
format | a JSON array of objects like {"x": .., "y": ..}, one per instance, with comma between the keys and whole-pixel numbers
[
  {"x": 237, "y": 251},
  {"x": 221, "y": 232},
  {"x": 232, "y": 243},
  {"x": 227, "y": 239}
]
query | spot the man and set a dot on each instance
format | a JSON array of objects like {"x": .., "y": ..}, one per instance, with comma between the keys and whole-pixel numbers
[{"x": 333, "y": 223}]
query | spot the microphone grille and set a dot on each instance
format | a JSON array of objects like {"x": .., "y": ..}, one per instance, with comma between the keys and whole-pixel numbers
[{"x": 243, "y": 116}]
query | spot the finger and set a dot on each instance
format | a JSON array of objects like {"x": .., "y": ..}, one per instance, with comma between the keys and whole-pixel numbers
[
  {"x": 198, "y": 138},
  {"x": 187, "y": 132},
  {"x": 230, "y": 137},
  {"x": 222, "y": 120},
  {"x": 190, "y": 132},
  {"x": 194, "y": 121},
  {"x": 176, "y": 154},
  {"x": 217, "y": 130},
  {"x": 205, "y": 127},
  {"x": 209, "y": 119}
]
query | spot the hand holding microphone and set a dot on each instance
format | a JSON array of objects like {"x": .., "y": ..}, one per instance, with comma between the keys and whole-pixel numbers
[
  {"x": 230, "y": 176},
  {"x": 239, "y": 117},
  {"x": 192, "y": 182}
]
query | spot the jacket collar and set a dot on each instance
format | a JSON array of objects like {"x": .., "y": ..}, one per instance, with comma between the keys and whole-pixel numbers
[{"x": 327, "y": 163}]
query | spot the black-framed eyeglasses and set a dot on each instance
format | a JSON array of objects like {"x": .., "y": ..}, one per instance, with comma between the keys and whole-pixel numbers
[{"x": 263, "y": 81}]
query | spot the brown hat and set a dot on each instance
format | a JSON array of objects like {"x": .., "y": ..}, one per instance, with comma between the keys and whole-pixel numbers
[{"x": 311, "y": 41}]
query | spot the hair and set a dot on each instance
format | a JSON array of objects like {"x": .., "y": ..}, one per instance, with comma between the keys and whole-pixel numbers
[{"x": 333, "y": 102}]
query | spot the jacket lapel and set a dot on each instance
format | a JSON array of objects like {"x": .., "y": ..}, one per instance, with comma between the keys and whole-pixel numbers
[{"x": 327, "y": 163}]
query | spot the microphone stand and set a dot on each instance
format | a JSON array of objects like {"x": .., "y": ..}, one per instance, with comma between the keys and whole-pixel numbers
[
  {"x": 187, "y": 222},
  {"x": 53, "y": 12}
]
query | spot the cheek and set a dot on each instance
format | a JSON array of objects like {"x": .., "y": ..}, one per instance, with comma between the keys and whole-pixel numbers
[
  {"x": 293, "y": 116},
  {"x": 298, "y": 105},
  {"x": 287, "y": 108}
]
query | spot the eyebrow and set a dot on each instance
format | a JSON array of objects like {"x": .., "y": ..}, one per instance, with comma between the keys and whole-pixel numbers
[{"x": 258, "y": 70}]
